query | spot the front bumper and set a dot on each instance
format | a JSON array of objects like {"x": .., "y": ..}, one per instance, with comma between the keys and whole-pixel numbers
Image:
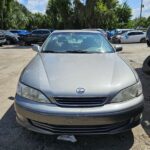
[
  {"x": 2, "y": 41},
  {"x": 51, "y": 119}
]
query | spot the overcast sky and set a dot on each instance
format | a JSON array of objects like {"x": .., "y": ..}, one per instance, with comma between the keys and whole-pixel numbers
[{"x": 40, "y": 6}]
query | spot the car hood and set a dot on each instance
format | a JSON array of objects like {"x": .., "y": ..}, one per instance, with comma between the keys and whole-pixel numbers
[{"x": 61, "y": 74}]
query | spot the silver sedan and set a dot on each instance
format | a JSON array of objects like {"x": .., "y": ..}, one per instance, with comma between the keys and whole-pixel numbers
[{"x": 78, "y": 84}]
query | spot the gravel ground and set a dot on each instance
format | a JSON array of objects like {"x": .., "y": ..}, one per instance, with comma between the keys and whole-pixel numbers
[{"x": 13, "y": 137}]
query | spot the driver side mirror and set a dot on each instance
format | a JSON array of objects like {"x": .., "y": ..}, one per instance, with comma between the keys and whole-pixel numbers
[
  {"x": 118, "y": 48},
  {"x": 36, "y": 48}
]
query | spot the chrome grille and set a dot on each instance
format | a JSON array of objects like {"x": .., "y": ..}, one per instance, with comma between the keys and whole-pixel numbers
[{"x": 80, "y": 101}]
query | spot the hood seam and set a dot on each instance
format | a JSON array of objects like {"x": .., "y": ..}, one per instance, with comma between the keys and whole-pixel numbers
[{"x": 44, "y": 69}]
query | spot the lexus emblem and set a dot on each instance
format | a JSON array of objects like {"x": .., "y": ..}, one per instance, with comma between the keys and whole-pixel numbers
[{"x": 80, "y": 90}]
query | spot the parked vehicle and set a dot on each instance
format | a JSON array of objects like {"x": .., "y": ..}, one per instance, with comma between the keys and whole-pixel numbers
[
  {"x": 148, "y": 36},
  {"x": 109, "y": 34},
  {"x": 11, "y": 38},
  {"x": 130, "y": 37},
  {"x": 78, "y": 84},
  {"x": 20, "y": 32},
  {"x": 36, "y": 36},
  {"x": 100, "y": 30},
  {"x": 2, "y": 38},
  {"x": 119, "y": 31}
]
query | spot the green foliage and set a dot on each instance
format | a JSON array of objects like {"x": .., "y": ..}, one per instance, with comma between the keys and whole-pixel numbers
[
  {"x": 59, "y": 13},
  {"x": 13, "y": 14},
  {"x": 64, "y": 14},
  {"x": 137, "y": 22},
  {"x": 123, "y": 13},
  {"x": 94, "y": 14},
  {"x": 105, "y": 12}
]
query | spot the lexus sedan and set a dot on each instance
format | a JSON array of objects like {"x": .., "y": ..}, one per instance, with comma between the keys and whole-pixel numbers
[{"x": 78, "y": 84}]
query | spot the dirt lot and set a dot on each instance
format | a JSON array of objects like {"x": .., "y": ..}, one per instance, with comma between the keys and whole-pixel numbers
[{"x": 13, "y": 137}]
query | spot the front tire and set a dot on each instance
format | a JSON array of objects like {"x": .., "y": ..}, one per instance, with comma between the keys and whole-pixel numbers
[
  {"x": 146, "y": 66},
  {"x": 148, "y": 43},
  {"x": 143, "y": 40},
  {"x": 8, "y": 42},
  {"x": 119, "y": 41}
]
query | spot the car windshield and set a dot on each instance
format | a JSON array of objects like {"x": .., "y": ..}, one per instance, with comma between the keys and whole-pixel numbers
[{"x": 77, "y": 42}]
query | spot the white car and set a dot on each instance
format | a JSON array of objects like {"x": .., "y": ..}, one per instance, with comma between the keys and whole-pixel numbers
[{"x": 132, "y": 37}]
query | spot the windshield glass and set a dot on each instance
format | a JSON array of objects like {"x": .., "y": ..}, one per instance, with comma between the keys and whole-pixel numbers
[{"x": 77, "y": 42}]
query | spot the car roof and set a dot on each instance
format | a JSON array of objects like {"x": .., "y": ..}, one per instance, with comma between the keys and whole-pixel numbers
[
  {"x": 123, "y": 29},
  {"x": 135, "y": 31},
  {"x": 76, "y": 31},
  {"x": 41, "y": 30},
  {"x": 93, "y": 29}
]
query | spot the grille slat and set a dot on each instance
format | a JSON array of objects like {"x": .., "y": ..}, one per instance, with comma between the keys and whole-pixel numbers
[
  {"x": 80, "y": 102},
  {"x": 78, "y": 129}
]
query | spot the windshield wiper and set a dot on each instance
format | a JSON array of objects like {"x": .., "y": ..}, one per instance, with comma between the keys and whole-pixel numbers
[
  {"x": 77, "y": 51},
  {"x": 51, "y": 51},
  {"x": 70, "y": 51}
]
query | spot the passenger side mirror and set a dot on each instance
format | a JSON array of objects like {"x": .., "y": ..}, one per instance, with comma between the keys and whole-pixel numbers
[
  {"x": 118, "y": 48},
  {"x": 36, "y": 48}
]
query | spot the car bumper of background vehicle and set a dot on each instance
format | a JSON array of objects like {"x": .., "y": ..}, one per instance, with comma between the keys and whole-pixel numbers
[
  {"x": 73, "y": 122},
  {"x": 2, "y": 41}
]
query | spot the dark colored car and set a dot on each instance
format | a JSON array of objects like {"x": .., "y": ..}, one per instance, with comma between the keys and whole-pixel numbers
[
  {"x": 11, "y": 38},
  {"x": 148, "y": 36},
  {"x": 36, "y": 36},
  {"x": 2, "y": 38}
]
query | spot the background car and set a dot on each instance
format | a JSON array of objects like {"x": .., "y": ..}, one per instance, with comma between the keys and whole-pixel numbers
[
  {"x": 120, "y": 31},
  {"x": 148, "y": 36},
  {"x": 134, "y": 36},
  {"x": 20, "y": 32},
  {"x": 100, "y": 30},
  {"x": 2, "y": 38},
  {"x": 36, "y": 36},
  {"x": 11, "y": 38}
]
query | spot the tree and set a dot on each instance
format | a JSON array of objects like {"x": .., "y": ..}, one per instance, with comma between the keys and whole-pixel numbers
[
  {"x": 63, "y": 14},
  {"x": 5, "y": 6},
  {"x": 59, "y": 13},
  {"x": 13, "y": 14},
  {"x": 123, "y": 13},
  {"x": 78, "y": 15},
  {"x": 106, "y": 13}
]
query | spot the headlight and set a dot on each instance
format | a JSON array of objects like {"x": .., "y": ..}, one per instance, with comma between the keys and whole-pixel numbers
[
  {"x": 31, "y": 93},
  {"x": 128, "y": 93}
]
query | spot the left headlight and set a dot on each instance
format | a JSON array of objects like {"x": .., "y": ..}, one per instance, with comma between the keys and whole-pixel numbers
[
  {"x": 31, "y": 94},
  {"x": 128, "y": 93}
]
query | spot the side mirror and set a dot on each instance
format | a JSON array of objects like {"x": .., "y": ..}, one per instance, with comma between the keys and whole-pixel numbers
[
  {"x": 36, "y": 48},
  {"x": 118, "y": 48}
]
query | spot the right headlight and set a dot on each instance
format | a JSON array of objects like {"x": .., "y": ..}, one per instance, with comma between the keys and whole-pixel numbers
[
  {"x": 128, "y": 93},
  {"x": 31, "y": 93}
]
